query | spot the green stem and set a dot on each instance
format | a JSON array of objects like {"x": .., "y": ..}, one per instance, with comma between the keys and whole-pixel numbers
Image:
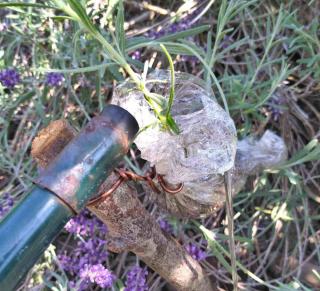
[
  {"x": 118, "y": 58},
  {"x": 80, "y": 16}
]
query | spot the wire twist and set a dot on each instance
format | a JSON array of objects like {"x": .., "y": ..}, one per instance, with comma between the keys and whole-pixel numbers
[{"x": 126, "y": 175}]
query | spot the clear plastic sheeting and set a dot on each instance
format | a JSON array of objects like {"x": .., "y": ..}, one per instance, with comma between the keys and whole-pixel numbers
[
  {"x": 203, "y": 151},
  {"x": 207, "y": 140},
  {"x": 255, "y": 155}
]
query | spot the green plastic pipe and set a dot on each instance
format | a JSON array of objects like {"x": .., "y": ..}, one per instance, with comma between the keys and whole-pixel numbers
[{"x": 61, "y": 191}]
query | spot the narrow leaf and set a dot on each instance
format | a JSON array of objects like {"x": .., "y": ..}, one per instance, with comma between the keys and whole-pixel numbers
[
  {"x": 170, "y": 121},
  {"x": 185, "y": 33},
  {"x": 79, "y": 10},
  {"x": 20, "y": 4},
  {"x": 171, "y": 96},
  {"x": 76, "y": 70},
  {"x": 120, "y": 33},
  {"x": 172, "y": 124}
]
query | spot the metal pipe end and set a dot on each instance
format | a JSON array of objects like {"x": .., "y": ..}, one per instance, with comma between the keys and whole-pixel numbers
[{"x": 122, "y": 118}]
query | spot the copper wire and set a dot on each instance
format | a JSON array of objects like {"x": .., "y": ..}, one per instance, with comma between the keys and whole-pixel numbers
[
  {"x": 166, "y": 188},
  {"x": 104, "y": 195},
  {"x": 126, "y": 175}
]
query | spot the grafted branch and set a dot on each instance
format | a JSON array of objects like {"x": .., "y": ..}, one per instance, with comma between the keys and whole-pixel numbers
[{"x": 131, "y": 227}]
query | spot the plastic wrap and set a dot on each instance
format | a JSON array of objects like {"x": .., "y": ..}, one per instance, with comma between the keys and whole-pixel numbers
[
  {"x": 203, "y": 151},
  {"x": 207, "y": 141}
]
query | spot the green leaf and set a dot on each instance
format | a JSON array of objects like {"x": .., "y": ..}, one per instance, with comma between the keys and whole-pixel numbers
[
  {"x": 76, "y": 70},
  {"x": 309, "y": 153},
  {"x": 178, "y": 48},
  {"x": 114, "y": 71},
  {"x": 120, "y": 33},
  {"x": 214, "y": 246},
  {"x": 194, "y": 50},
  {"x": 79, "y": 10},
  {"x": 20, "y": 4},
  {"x": 134, "y": 41},
  {"x": 138, "y": 42},
  {"x": 170, "y": 121},
  {"x": 293, "y": 177},
  {"x": 119, "y": 285},
  {"x": 172, "y": 124},
  {"x": 171, "y": 96},
  {"x": 183, "y": 34},
  {"x": 61, "y": 17},
  {"x": 219, "y": 251}
]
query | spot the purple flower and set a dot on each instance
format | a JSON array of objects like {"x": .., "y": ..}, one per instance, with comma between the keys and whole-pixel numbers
[
  {"x": 9, "y": 78},
  {"x": 72, "y": 284},
  {"x": 276, "y": 106},
  {"x": 66, "y": 262},
  {"x": 54, "y": 79},
  {"x": 97, "y": 274},
  {"x": 3, "y": 26},
  {"x": 165, "y": 226},
  {"x": 85, "y": 261},
  {"x": 136, "y": 55},
  {"x": 175, "y": 27},
  {"x": 85, "y": 224},
  {"x": 137, "y": 279},
  {"x": 89, "y": 251},
  {"x": 6, "y": 204},
  {"x": 195, "y": 252}
]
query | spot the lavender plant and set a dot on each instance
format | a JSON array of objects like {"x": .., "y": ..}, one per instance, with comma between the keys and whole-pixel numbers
[
  {"x": 54, "y": 79},
  {"x": 276, "y": 106},
  {"x": 165, "y": 225},
  {"x": 159, "y": 105},
  {"x": 246, "y": 49},
  {"x": 6, "y": 203},
  {"x": 196, "y": 252},
  {"x": 3, "y": 26},
  {"x": 96, "y": 274},
  {"x": 85, "y": 263},
  {"x": 9, "y": 78},
  {"x": 136, "y": 279}
]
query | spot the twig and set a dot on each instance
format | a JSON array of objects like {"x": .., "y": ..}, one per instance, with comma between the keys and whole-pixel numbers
[
  {"x": 229, "y": 208},
  {"x": 132, "y": 228}
]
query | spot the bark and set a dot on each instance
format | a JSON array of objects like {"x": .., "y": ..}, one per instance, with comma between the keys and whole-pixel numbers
[{"x": 131, "y": 227}]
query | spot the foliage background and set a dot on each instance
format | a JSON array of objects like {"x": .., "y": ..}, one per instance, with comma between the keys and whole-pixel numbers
[{"x": 262, "y": 60}]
